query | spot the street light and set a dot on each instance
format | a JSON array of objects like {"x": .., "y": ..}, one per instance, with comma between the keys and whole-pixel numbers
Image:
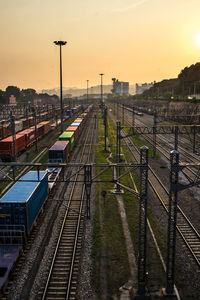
[
  {"x": 101, "y": 74},
  {"x": 61, "y": 43},
  {"x": 87, "y": 90}
]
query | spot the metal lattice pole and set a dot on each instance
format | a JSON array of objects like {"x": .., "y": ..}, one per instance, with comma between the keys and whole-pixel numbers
[
  {"x": 172, "y": 220},
  {"x": 118, "y": 153},
  {"x": 154, "y": 133},
  {"x": 142, "y": 238},
  {"x": 12, "y": 123},
  {"x": 176, "y": 137},
  {"x": 194, "y": 139},
  {"x": 133, "y": 119},
  {"x": 123, "y": 113},
  {"x": 105, "y": 128},
  {"x": 88, "y": 183}
]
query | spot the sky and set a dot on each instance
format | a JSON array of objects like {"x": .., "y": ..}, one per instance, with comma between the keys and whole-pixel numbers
[{"x": 132, "y": 40}]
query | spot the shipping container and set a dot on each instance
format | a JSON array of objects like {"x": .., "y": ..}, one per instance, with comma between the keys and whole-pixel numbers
[
  {"x": 74, "y": 129},
  {"x": 47, "y": 126},
  {"x": 6, "y": 130},
  {"x": 29, "y": 136},
  {"x": 68, "y": 136},
  {"x": 31, "y": 121},
  {"x": 59, "y": 152},
  {"x": 18, "y": 126},
  {"x": 6, "y": 146},
  {"x": 22, "y": 203},
  {"x": 69, "y": 112},
  {"x": 25, "y": 123},
  {"x": 77, "y": 124},
  {"x": 40, "y": 130}
]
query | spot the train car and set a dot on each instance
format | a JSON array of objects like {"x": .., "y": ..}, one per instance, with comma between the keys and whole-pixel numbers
[
  {"x": 25, "y": 123},
  {"x": 76, "y": 124},
  {"x": 68, "y": 136},
  {"x": 21, "y": 205},
  {"x": 59, "y": 152},
  {"x": 29, "y": 136},
  {"x": 18, "y": 126},
  {"x": 74, "y": 129},
  {"x": 69, "y": 112},
  {"x": 8, "y": 258},
  {"x": 6, "y": 146},
  {"x": 6, "y": 130},
  {"x": 31, "y": 121},
  {"x": 47, "y": 126}
]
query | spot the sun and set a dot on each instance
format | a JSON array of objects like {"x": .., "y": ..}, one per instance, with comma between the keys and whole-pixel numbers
[{"x": 197, "y": 39}]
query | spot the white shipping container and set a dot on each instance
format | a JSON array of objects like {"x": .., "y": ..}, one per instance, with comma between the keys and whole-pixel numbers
[{"x": 18, "y": 126}]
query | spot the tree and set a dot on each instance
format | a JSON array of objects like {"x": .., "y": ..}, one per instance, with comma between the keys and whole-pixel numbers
[
  {"x": 12, "y": 90},
  {"x": 28, "y": 95}
]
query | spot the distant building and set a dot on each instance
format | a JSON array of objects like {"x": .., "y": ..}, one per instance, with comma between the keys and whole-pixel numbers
[
  {"x": 120, "y": 87},
  {"x": 140, "y": 88},
  {"x": 12, "y": 100}
]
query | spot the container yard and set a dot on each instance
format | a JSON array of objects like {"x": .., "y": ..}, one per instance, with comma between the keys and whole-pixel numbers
[{"x": 100, "y": 150}]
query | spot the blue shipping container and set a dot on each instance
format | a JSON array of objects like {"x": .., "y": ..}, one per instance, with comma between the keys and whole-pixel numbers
[{"x": 22, "y": 203}]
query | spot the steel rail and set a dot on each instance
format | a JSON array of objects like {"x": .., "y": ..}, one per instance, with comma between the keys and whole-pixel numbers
[{"x": 75, "y": 238}]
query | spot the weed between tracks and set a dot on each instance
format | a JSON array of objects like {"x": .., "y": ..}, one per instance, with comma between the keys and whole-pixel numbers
[{"x": 111, "y": 267}]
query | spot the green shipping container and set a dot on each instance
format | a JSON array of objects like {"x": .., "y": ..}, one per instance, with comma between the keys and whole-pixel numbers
[{"x": 67, "y": 136}]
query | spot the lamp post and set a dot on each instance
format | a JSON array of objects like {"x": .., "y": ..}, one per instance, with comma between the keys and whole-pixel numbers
[
  {"x": 101, "y": 74},
  {"x": 61, "y": 43},
  {"x": 87, "y": 90}
]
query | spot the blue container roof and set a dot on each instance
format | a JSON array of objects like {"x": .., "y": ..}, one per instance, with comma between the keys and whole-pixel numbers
[
  {"x": 58, "y": 147},
  {"x": 21, "y": 191}
]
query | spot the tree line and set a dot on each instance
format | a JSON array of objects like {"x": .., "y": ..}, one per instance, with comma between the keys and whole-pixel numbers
[
  {"x": 25, "y": 96},
  {"x": 186, "y": 84}
]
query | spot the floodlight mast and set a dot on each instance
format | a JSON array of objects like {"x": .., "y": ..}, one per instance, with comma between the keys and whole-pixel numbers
[{"x": 61, "y": 43}]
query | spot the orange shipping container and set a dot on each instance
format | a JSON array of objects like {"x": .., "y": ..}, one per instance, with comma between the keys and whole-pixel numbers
[
  {"x": 47, "y": 126},
  {"x": 6, "y": 145}
]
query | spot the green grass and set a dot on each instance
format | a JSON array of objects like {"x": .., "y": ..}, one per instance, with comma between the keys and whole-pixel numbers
[{"x": 108, "y": 232}]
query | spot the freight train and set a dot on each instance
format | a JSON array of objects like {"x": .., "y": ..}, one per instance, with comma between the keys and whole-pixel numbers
[
  {"x": 25, "y": 123},
  {"x": 27, "y": 137},
  {"x": 21, "y": 205}
]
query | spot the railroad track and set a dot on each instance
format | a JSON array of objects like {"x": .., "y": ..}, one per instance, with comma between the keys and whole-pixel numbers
[
  {"x": 63, "y": 273},
  {"x": 186, "y": 229},
  {"x": 165, "y": 145}
]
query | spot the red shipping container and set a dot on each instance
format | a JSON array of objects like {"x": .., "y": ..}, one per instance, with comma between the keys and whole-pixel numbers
[
  {"x": 74, "y": 129},
  {"x": 40, "y": 130},
  {"x": 6, "y": 145},
  {"x": 29, "y": 136}
]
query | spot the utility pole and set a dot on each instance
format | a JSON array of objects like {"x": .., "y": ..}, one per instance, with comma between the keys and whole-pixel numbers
[
  {"x": 60, "y": 44},
  {"x": 101, "y": 74},
  {"x": 87, "y": 90},
  {"x": 105, "y": 128},
  {"x": 12, "y": 123},
  {"x": 35, "y": 125}
]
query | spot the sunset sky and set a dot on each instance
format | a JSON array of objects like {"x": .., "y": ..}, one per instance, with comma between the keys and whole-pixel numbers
[{"x": 132, "y": 40}]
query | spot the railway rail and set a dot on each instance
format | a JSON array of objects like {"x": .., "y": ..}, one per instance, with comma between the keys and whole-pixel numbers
[
  {"x": 62, "y": 279},
  {"x": 185, "y": 228}
]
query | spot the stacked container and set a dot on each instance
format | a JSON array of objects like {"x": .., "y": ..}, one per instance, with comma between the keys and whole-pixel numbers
[
  {"x": 74, "y": 129},
  {"x": 47, "y": 126},
  {"x": 29, "y": 136},
  {"x": 68, "y": 136},
  {"x": 22, "y": 203},
  {"x": 18, "y": 126},
  {"x": 6, "y": 145},
  {"x": 59, "y": 152}
]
